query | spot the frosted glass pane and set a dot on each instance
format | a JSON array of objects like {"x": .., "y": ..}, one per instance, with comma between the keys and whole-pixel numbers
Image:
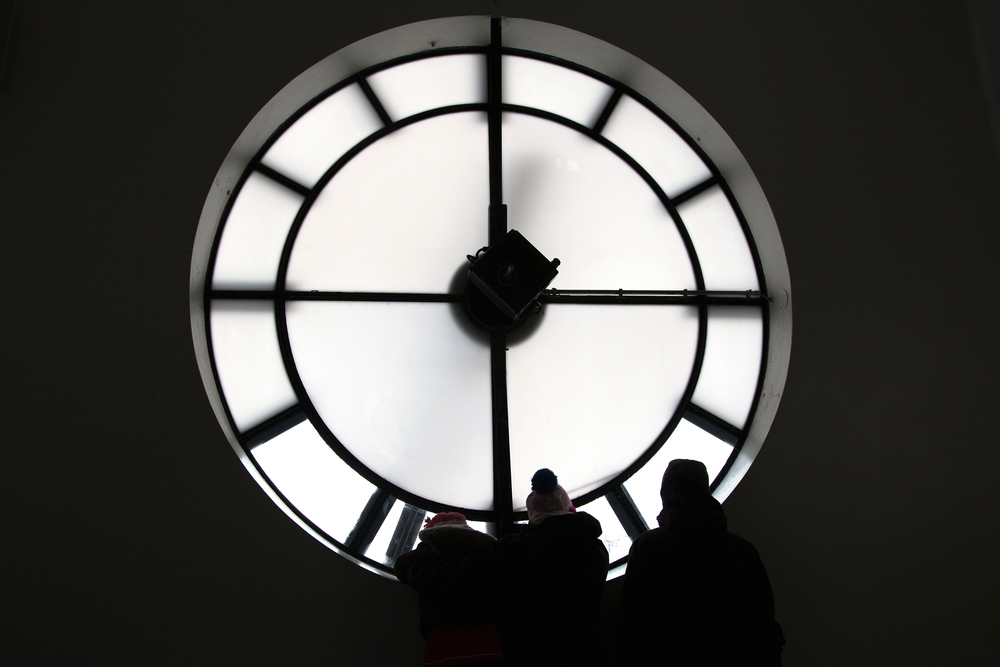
[
  {"x": 406, "y": 389},
  {"x": 614, "y": 536},
  {"x": 726, "y": 262},
  {"x": 686, "y": 442},
  {"x": 654, "y": 145},
  {"x": 430, "y": 83},
  {"x": 324, "y": 133},
  {"x": 315, "y": 480},
  {"x": 254, "y": 235},
  {"x": 378, "y": 547},
  {"x": 591, "y": 389},
  {"x": 728, "y": 381},
  {"x": 559, "y": 90},
  {"x": 248, "y": 360},
  {"x": 576, "y": 200},
  {"x": 402, "y": 215}
]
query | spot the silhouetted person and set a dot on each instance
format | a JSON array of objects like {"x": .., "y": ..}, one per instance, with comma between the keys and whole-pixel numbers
[
  {"x": 457, "y": 616},
  {"x": 694, "y": 593},
  {"x": 551, "y": 578}
]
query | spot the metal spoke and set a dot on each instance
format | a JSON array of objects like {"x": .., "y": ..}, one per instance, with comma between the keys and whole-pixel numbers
[
  {"x": 718, "y": 427},
  {"x": 273, "y": 427},
  {"x": 494, "y": 99},
  {"x": 371, "y": 519},
  {"x": 316, "y": 295},
  {"x": 278, "y": 177},
  {"x": 626, "y": 511},
  {"x": 693, "y": 191},
  {"x": 376, "y": 104},
  {"x": 405, "y": 533},
  {"x": 502, "y": 501},
  {"x": 602, "y": 120},
  {"x": 502, "y": 492},
  {"x": 655, "y": 297}
]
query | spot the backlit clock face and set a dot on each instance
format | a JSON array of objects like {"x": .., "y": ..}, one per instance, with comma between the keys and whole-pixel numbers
[{"x": 328, "y": 286}]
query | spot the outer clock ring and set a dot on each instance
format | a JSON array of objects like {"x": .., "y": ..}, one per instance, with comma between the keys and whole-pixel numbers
[{"x": 543, "y": 41}]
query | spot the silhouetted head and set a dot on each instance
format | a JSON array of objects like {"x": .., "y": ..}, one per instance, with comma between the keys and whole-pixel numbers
[
  {"x": 547, "y": 498},
  {"x": 684, "y": 478},
  {"x": 687, "y": 500},
  {"x": 448, "y": 531}
]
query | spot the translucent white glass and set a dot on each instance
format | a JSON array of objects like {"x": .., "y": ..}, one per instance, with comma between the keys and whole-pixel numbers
[
  {"x": 559, "y": 90},
  {"x": 406, "y": 389},
  {"x": 686, "y": 442},
  {"x": 324, "y": 133},
  {"x": 380, "y": 544},
  {"x": 723, "y": 251},
  {"x": 727, "y": 384},
  {"x": 575, "y": 200},
  {"x": 430, "y": 83},
  {"x": 248, "y": 360},
  {"x": 614, "y": 536},
  {"x": 591, "y": 389},
  {"x": 315, "y": 480},
  {"x": 402, "y": 215},
  {"x": 656, "y": 146},
  {"x": 255, "y": 234}
]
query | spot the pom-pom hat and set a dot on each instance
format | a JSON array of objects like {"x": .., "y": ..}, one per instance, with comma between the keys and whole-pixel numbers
[{"x": 547, "y": 498}]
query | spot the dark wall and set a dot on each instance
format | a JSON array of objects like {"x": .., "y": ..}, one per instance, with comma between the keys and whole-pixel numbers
[{"x": 133, "y": 535}]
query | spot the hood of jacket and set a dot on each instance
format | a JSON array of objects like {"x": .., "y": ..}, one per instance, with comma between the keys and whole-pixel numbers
[{"x": 578, "y": 527}]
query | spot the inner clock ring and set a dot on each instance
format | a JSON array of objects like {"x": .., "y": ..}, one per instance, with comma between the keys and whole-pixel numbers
[{"x": 377, "y": 400}]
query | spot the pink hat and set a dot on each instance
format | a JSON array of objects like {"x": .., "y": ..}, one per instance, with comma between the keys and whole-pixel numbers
[
  {"x": 547, "y": 498},
  {"x": 450, "y": 527}
]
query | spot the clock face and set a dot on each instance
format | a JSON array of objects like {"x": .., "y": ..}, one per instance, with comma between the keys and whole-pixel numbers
[{"x": 331, "y": 309}]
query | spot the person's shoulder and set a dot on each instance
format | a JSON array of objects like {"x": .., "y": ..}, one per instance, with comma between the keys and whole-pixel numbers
[
  {"x": 651, "y": 538},
  {"x": 580, "y": 525},
  {"x": 406, "y": 562},
  {"x": 740, "y": 544}
]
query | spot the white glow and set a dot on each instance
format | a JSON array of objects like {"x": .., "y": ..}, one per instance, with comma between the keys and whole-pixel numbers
[
  {"x": 727, "y": 384},
  {"x": 405, "y": 389},
  {"x": 430, "y": 83},
  {"x": 248, "y": 360},
  {"x": 719, "y": 241},
  {"x": 322, "y": 135},
  {"x": 314, "y": 479},
  {"x": 591, "y": 389},
  {"x": 576, "y": 200},
  {"x": 402, "y": 215},
  {"x": 614, "y": 536},
  {"x": 254, "y": 235},
  {"x": 686, "y": 442},
  {"x": 559, "y": 90},
  {"x": 655, "y": 146}
]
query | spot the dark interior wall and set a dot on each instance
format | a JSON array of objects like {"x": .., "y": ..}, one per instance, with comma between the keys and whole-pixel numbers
[{"x": 133, "y": 535}]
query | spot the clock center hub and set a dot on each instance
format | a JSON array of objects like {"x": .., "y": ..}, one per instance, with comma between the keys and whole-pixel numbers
[{"x": 505, "y": 281}]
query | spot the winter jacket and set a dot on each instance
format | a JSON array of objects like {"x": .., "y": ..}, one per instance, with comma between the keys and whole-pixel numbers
[
  {"x": 551, "y": 584},
  {"x": 696, "y": 594},
  {"x": 447, "y": 599}
]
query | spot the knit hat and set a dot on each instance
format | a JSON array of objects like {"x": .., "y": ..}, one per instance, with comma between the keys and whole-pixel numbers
[
  {"x": 687, "y": 499},
  {"x": 684, "y": 478},
  {"x": 450, "y": 527},
  {"x": 547, "y": 498}
]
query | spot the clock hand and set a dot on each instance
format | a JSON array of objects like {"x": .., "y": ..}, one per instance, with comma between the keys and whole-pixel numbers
[{"x": 494, "y": 98}]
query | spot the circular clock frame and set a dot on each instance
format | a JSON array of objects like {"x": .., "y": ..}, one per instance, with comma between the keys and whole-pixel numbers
[{"x": 628, "y": 77}]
